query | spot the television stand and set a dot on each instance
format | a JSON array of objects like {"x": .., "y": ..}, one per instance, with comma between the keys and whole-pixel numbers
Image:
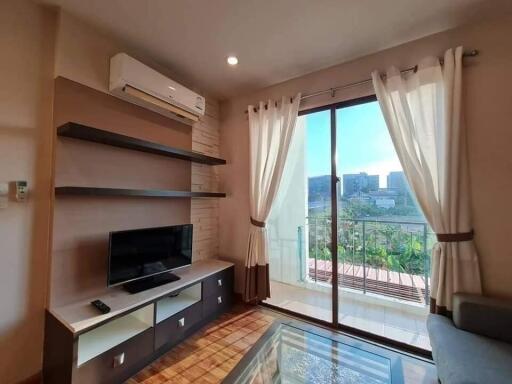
[
  {"x": 150, "y": 282},
  {"x": 83, "y": 346}
]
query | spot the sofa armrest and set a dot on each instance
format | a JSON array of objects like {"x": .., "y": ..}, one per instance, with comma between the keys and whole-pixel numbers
[{"x": 483, "y": 315}]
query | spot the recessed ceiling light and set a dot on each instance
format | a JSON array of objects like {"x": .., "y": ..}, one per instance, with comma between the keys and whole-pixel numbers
[
  {"x": 172, "y": 88},
  {"x": 232, "y": 60}
]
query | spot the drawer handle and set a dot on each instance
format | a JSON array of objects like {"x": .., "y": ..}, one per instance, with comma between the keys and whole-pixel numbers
[
  {"x": 118, "y": 360},
  {"x": 219, "y": 282},
  {"x": 181, "y": 322},
  {"x": 219, "y": 299}
]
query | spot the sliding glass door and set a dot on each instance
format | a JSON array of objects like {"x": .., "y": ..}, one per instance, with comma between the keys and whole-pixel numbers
[{"x": 343, "y": 177}]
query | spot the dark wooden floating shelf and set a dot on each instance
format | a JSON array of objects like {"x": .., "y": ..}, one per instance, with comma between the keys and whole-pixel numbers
[
  {"x": 94, "y": 191},
  {"x": 83, "y": 132}
]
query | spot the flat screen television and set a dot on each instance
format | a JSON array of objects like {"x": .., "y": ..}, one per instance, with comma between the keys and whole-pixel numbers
[{"x": 143, "y": 258}]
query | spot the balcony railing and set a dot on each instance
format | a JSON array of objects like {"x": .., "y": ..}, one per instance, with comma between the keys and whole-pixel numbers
[{"x": 383, "y": 257}]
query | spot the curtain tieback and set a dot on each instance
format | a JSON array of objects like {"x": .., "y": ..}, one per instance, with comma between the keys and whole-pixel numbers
[
  {"x": 257, "y": 223},
  {"x": 455, "y": 237}
]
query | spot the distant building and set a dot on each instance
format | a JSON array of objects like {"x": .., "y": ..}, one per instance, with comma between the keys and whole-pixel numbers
[
  {"x": 397, "y": 181},
  {"x": 384, "y": 197},
  {"x": 354, "y": 184},
  {"x": 385, "y": 203},
  {"x": 319, "y": 192}
]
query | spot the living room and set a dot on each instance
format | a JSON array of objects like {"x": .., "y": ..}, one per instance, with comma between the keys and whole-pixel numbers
[{"x": 173, "y": 174}]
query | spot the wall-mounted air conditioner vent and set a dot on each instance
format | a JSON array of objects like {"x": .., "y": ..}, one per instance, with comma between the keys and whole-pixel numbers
[{"x": 142, "y": 85}]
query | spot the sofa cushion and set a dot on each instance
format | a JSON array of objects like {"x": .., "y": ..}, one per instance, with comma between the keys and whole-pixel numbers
[
  {"x": 464, "y": 358},
  {"x": 483, "y": 315}
]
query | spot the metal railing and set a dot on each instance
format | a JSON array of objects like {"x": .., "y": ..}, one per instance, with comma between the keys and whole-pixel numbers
[{"x": 384, "y": 257}]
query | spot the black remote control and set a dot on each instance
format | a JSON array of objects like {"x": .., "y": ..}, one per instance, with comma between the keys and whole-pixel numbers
[{"x": 102, "y": 307}]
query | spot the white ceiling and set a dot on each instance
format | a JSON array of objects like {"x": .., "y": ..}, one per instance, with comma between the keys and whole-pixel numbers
[{"x": 275, "y": 40}]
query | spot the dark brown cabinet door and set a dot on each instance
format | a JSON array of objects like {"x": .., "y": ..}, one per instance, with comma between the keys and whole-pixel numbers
[
  {"x": 173, "y": 329},
  {"x": 219, "y": 283},
  {"x": 118, "y": 363}
]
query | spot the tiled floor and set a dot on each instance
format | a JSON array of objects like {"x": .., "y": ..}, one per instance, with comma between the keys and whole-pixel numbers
[
  {"x": 210, "y": 354},
  {"x": 390, "y": 322}
]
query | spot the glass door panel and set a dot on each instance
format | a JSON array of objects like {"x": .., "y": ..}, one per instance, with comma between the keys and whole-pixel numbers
[
  {"x": 299, "y": 227},
  {"x": 383, "y": 238}
]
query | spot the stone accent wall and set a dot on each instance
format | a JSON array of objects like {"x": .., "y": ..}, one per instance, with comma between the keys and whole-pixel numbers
[{"x": 205, "y": 212}]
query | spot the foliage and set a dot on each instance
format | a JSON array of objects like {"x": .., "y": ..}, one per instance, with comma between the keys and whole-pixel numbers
[{"x": 392, "y": 245}]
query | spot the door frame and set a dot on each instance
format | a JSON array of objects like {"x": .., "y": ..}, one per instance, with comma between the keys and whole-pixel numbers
[{"x": 335, "y": 180}]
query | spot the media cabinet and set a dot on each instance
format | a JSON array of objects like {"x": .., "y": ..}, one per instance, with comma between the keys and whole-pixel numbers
[{"x": 84, "y": 346}]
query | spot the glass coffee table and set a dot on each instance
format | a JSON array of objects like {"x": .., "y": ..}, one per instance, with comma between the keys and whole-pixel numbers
[{"x": 296, "y": 352}]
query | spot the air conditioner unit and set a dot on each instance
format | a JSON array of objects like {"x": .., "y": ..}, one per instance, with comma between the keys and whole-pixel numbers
[{"x": 139, "y": 84}]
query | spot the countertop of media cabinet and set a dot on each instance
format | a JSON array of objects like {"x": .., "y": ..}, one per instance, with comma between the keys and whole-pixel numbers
[{"x": 82, "y": 316}]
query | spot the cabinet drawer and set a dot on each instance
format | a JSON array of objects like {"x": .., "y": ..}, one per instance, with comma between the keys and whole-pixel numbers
[
  {"x": 173, "y": 329},
  {"x": 116, "y": 364},
  {"x": 216, "y": 304},
  {"x": 218, "y": 283}
]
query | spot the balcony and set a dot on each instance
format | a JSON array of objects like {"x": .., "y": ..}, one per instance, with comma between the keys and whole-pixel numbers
[{"x": 383, "y": 275}]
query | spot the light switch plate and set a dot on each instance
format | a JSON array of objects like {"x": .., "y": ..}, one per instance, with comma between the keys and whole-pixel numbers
[
  {"x": 4, "y": 194},
  {"x": 21, "y": 190}
]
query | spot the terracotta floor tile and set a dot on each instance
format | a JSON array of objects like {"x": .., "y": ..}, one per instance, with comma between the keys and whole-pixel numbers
[
  {"x": 205, "y": 352},
  {"x": 224, "y": 354},
  {"x": 216, "y": 346},
  {"x": 193, "y": 373},
  {"x": 178, "y": 379},
  {"x": 241, "y": 346},
  {"x": 228, "y": 365},
  {"x": 252, "y": 326},
  {"x": 231, "y": 338},
  {"x": 229, "y": 351},
  {"x": 219, "y": 373},
  {"x": 251, "y": 338},
  {"x": 169, "y": 372},
  {"x": 209, "y": 378},
  {"x": 203, "y": 342},
  {"x": 208, "y": 364}
]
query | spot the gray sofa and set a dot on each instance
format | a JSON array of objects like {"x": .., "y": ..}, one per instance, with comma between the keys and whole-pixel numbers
[{"x": 476, "y": 347}]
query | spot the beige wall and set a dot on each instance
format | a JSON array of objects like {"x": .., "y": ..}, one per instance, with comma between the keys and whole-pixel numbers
[
  {"x": 83, "y": 54},
  {"x": 26, "y": 73},
  {"x": 39, "y": 44},
  {"x": 81, "y": 225},
  {"x": 488, "y": 111}
]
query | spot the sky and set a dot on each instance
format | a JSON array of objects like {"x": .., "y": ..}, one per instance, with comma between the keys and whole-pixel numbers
[{"x": 364, "y": 144}]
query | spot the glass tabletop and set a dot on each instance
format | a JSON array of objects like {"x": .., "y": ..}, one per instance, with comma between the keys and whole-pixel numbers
[{"x": 294, "y": 355}]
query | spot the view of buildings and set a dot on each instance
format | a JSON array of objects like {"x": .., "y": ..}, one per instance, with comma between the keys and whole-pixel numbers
[
  {"x": 360, "y": 192},
  {"x": 359, "y": 183},
  {"x": 365, "y": 188}
]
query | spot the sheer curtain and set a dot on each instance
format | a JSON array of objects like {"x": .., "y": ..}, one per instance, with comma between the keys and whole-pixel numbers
[
  {"x": 423, "y": 114},
  {"x": 271, "y": 128}
]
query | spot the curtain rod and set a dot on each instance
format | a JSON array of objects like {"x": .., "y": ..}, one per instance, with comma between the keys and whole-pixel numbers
[{"x": 332, "y": 91}]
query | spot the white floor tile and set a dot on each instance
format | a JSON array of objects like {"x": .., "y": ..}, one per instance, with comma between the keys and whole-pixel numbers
[{"x": 381, "y": 320}]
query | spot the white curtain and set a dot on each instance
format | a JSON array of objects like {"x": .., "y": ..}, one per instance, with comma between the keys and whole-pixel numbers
[
  {"x": 423, "y": 114},
  {"x": 271, "y": 128}
]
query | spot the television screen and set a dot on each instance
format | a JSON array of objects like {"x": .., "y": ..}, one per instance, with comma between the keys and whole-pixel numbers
[{"x": 140, "y": 253}]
